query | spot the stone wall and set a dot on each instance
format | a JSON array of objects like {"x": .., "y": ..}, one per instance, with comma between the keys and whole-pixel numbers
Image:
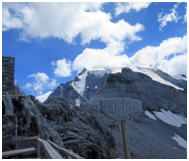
[{"x": 8, "y": 74}]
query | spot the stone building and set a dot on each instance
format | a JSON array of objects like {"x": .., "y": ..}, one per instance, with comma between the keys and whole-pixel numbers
[{"x": 8, "y": 74}]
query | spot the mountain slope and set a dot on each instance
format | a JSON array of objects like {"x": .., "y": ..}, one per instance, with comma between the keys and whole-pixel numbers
[
  {"x": 83, "y": 87},
  {"x": 160, "y": 130},
  {"x": 154, "y": 95},
  {"x": 89, "y": 82},
  {"x": 162, "y": 77}
]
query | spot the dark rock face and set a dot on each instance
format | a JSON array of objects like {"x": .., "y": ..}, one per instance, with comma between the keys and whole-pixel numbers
[
  {"x": 146, "y": 138},
  {"x": 29, "y": 119},
  {"x": 93, "y": 82},
  {"x": 149, "y": 138},
  {"x": 57, "y": 121},
  {"x": 66, "y": 92},
  {"x": 153, "y": 95},
  {"x": 78, "y": 129}
]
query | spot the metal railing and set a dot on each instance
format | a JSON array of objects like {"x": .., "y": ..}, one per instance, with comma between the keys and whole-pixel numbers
[{"x": 41, "y": 149}]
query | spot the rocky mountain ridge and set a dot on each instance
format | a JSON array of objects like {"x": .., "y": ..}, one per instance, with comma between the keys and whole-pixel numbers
[{"x": 89, "y": 82}]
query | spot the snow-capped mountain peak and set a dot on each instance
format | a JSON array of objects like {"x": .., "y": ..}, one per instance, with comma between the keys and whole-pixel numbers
[
  {"x": 90, "y": 81},
  {"x": 160, "y": 76},
  {"x": 79, "y": 83}
]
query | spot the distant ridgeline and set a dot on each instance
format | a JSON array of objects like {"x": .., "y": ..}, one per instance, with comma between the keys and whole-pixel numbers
[{"x": 8, "y": 74}]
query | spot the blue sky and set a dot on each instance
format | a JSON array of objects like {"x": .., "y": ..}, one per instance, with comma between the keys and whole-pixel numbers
[{"x": 53, "y": 42}]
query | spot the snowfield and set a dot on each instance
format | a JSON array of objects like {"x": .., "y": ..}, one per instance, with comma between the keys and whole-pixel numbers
[
  {"x": 170, "y": 118},
  {"x": 151, "y": 72},
  {"x": 149, "y": 115},
  {"x": 79, "y": 86},
  {"x": 180, "y": 141}
]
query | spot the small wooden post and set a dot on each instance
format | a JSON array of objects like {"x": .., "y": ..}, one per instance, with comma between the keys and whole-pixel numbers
[{"x": 123, "y": 123}]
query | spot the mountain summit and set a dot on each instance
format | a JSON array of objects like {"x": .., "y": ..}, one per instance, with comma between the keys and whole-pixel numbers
[{"x": 89, "y": 82}]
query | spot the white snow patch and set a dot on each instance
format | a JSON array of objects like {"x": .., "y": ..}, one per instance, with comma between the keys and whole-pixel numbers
[
  {"x": 153, "y": 75},
  {"x": 77, "y": 102},
  {"x": 170, "y": 118},
  {"x": 97, "y": 72},
  {"x": 149, "y": 115},
  {"x": 102, "y": 72},
  {"x": 96, "y": 87},
  {"x": 157, "y": 78},
  {"x": 180, "y": 141},
  {"x": 43, "y": 97},
  {"x": 116, "y": 70},
  {"x": 79, "y": 86}
]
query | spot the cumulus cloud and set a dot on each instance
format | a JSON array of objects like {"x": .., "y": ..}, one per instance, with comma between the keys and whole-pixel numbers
[
  {"x": 41, "y": 81},
  {"x": 127, "y": 6},
  {"x": 63, "y": 68},
  {"x": 164, "y": 19},
  {"x": 176, "y": 66},
  {"x": 110, "y": 56},
  {"x": 28, "y": 85},
  {"x": 10, "y": 21},
  {"x": 165, "y": 56},
  {"x": 99, "y": 59},
  {"x": 42, "y": 77},
  {"x": 52, "y": 83},
  {"x": 51, "y": 20},
  {"x": 43, "y": 96}
]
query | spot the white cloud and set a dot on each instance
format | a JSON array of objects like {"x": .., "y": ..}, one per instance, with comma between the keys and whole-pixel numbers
[
  {"x": 40, "y": 83},
  {"x": 98, "y": 59},
  {"x": 51, "y": 20},
  {"x": 10, "y": 21},
  {"x": 28, "y": 85},
  {"x": 63, "y": 68},
  {"x": 176, "y": 66},
  {"x": 39, "y": 80},
  {"x": 43, "y": 96},
  {"x": 61, "y": 20},
  {"x": 169, "y": 17},
  {"x": 52, "y": 84},
  {"x": 43, "y": 77},
  {"x": 165, "y": 56},
  {"x": 110, "y": 56},
  {"x": 127, "y": 6}
]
